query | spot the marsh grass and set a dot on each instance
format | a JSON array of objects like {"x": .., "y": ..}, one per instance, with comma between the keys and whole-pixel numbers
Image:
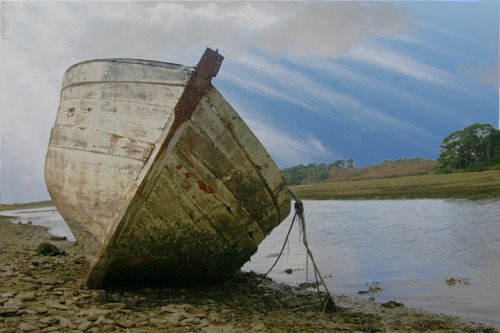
[
  {"x": 466, "y": 185},
  {"x": 36, "y": 204}
]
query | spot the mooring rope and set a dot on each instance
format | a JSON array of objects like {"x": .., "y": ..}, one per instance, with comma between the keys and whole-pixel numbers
[{"x": 327, "y": 303}]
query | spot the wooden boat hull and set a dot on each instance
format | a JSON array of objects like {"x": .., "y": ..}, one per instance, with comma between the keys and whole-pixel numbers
[{"x": 157, "y": 175}]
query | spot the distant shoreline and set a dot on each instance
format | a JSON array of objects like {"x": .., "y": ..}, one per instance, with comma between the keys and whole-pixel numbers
[
  {"x": 25, "y": 205},
  {"x": 463, "y": 185}
]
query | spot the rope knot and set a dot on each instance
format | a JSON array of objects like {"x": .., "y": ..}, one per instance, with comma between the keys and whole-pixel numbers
[{"x": 299, "y": 208}]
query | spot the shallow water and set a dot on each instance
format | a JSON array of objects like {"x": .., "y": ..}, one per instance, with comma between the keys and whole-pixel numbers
[
  {"x": 410, "y": 247},
  {"x": 46, "y": 216}
]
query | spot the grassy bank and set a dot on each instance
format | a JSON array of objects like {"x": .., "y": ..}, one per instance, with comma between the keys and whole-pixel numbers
[
  {"x": 36, "y": 204},
  {"x": 467, "y": 185}
]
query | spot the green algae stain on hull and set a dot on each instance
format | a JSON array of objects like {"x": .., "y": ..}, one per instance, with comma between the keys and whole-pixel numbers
[{"x": 194, "y": 208}]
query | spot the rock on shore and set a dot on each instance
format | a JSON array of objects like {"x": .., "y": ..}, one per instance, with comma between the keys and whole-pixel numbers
[{"x": 41, "y": 293}]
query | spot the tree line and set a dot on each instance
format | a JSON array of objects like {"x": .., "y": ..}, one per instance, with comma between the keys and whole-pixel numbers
[
  {"x": 313, "y": 172},
  {"x": 474, "y": 148}
]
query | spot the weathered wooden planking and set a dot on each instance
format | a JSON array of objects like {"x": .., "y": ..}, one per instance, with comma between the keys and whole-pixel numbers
[
  {"x": 260, "y": 158},
  {"x": 110, "y": 117},
  {"x": 208, "y": 185},
  {"x": 141, "y": 114},
  {"x": 88, "y": 205},
  {"x": 130, "y": 92},
  {"x": 126, "y": 70},
  {"x": 100, "y": 142},
  {"x": 159, "y": 179}
]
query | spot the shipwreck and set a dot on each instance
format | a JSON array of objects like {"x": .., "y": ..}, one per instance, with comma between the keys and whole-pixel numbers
[{"x": 156, "y": 175}]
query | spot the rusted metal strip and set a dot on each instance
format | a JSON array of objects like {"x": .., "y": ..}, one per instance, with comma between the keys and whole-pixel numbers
[
  {"x": 200, "y": 81},
  {"x": 206, "y": 69}
]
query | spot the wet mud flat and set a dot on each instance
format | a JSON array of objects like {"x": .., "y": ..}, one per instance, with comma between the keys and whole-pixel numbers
[{"x": 46, "y": 293}]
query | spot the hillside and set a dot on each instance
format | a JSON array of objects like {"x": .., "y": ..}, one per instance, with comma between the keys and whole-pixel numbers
[
  {"x": 402, "y": 179},
  {"x": 386, "y": 169},
  {"x": 319, "y": 173}
]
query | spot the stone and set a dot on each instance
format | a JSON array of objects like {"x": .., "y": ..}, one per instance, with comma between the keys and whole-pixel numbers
[
  {"x": 197, "y": 311},
  {"x": 125, "y": 323},
  {"x": 40, "y": 309},
  {"x": 8, "y": 310},
  {"x": 260, "y": 327},
  {"x": 58, "y": 238},
  {"x": 25, "y": 327},
  {"x": 98, "y": 295},
  {"x": 53, "y": 329},
  {"x": 174, "y": 321},
  {"x": 95, "y": 312},
  {"x": 117, "y": 297},
  {"x": 26, "y": 312},
  {"x": 14, "y": 302},
  {"x": 158, "y": 322},
  {"x": 213, "y": 317},
  {"x": 108, "y": 321},
  {"x": 189, "y": 321},
  {"x": 85, "y": 325},
  {"x": 66, "y": 323},
  {"x": 57, "y": 306},
  {"x": 49, "y": 320},
  {"x": 48, "y": 282},
  {"x": 29, "y": 296},
  {"x": 48, "y": 249}
]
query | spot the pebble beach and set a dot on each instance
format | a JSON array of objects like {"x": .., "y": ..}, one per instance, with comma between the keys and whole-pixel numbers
[{"x": 46, "y": 292}]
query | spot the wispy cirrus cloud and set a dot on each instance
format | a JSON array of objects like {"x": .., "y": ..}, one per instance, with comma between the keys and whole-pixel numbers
[
  {"x": 401, "y": 64},
  {"x": 279, "y": 81},
  {"x": 287, "y": 148},
  {"x": 343, "y": 73},
  {"x": 439, "y": 29},
  {"x": 273, "y": 80}
]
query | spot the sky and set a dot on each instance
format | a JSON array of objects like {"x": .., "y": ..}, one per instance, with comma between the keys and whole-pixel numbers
[{"x": 315, "y": 81}]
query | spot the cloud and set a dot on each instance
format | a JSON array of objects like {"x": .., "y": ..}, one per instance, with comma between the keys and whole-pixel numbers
[
  {"x": 40, "y": 40},
  {"x": 372, "y": 83},
  {"x": 401, "y": 64},
  {"x": 288, "y": 149},
  {"x": 329, "y": 28},
  {"x": 486, "y": 74},
  {"x": 273, "y": 80},
  {"x": 297, "y": 29},
  {"x": 438, "y": 29}
]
